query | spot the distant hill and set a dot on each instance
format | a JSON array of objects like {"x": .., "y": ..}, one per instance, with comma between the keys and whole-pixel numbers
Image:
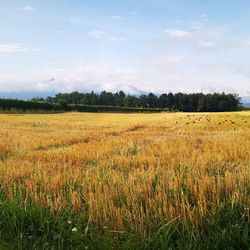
[
  {"x": 245, "y": 100},
  {"x": 25, "y": 95}
]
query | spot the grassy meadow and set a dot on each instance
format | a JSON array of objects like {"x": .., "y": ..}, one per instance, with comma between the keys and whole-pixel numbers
[{"x": 125, "y": 181}]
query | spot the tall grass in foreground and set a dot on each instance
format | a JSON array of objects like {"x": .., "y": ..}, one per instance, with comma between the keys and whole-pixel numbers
[
  {"x": 148, "y": 181},
  {"x": 27, "y": 226}
]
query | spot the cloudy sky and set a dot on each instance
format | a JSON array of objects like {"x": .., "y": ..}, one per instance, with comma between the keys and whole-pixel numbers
[{"x": 150, "y": 45}]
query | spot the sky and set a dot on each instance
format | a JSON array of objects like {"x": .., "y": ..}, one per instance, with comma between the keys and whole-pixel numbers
[{"x": 134, "y": 45}]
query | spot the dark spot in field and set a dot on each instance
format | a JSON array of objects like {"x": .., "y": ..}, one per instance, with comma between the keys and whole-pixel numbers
[
  {"x": 91, "y": 162},
  {"x": 115, "y": 133},
  {"x": 198, "y": 143},
  {"x": 134, "y": 150},
  {"x": 85, "y": 140},
  {"x": 41, "y": 147},
  {"x": 38, "y": 124},
  {"x": 60, "y": 145},
  {"x": 211, "y": 171},
  {"x": 3, "y": 156},
  {"x": 135, "y": 128}
]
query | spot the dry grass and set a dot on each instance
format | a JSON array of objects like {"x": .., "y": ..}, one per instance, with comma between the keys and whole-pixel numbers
[{"x": 128, "y": 170}]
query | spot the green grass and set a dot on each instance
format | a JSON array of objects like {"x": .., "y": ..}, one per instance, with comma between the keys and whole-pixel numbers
[
  {"x": 26, "y": 226},
  {"x": 3, "y": 156}
]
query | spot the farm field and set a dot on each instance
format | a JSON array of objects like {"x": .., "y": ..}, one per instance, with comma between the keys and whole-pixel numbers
[{"x": 125, "y": 181}]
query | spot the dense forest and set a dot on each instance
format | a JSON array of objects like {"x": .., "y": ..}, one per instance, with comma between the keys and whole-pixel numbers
[
  {"x": 35, "y": 106},
  {"x": 197, "y": 102}
]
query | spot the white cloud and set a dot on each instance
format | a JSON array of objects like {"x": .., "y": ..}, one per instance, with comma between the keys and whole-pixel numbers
[
  {"x": 155, "y": 74},
  {"x": 152, "y": 72},
  {"x": 15, "y": 48},
  {"x": 203, "y": 17},
  {"x": 11, "y": 48},
  {"x": 207, "y": 44},
  {"x": 97, "y": 34},
  {"x": 178, "y": 33},
  {"x": 116, "y": 17},
  {"x": 119, "y": 39},
  {"x": 27, "y": 8},
  {"x": 196, "y": 25},
  {"x": 247, "y": 41},
  {"x": 201, "y": 39},
  {"x": 161, "y": 62}
]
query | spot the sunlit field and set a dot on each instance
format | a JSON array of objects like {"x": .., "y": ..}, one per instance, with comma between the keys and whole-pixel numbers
[{"x": 127, "y": 181}]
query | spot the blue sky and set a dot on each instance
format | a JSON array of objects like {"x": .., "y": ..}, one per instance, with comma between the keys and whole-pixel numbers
[{"x": 151, "y": 45}]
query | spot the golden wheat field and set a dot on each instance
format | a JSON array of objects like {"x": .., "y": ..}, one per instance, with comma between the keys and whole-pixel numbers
[{"x": 128, "y": 170}]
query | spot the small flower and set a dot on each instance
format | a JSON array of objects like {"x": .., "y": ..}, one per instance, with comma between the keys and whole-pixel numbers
[
  {"x": 69, "y": 222},
  {"x": 74, "y": 229}
]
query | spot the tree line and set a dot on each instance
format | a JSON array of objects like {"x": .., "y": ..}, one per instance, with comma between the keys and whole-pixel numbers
[
  {"x": 39, "y": 106},
  {"x": 14, "y": 104},
  {"x": 196, "y": 102}
]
